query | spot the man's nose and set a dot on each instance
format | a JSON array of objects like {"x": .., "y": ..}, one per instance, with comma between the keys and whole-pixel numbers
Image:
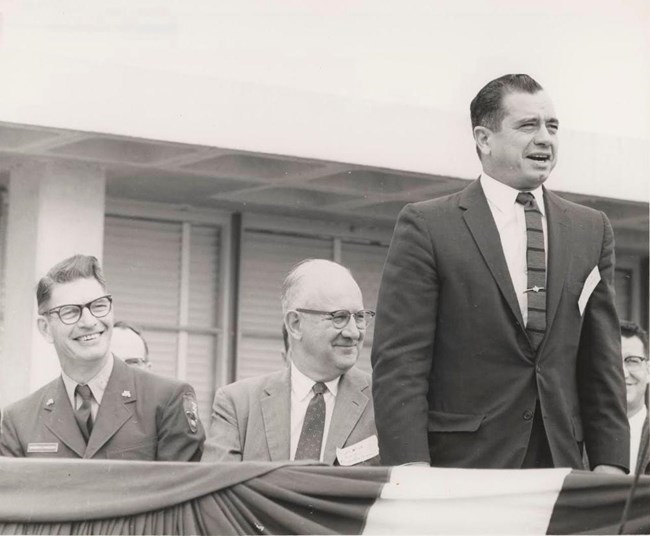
[
  {"x": 351, "y": 330},
  {"x": 87, "y": 318},
  {"x": 543, "y": 136},
  {"x": 625, "y": 371}
]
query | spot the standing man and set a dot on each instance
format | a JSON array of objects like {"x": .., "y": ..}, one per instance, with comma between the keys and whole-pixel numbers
[
  {"x": 99, "y": 407},
  {"x": 634, "y": 346},
  {"x": 319, "y": 407},
  {"x": 497, "y": 342}
]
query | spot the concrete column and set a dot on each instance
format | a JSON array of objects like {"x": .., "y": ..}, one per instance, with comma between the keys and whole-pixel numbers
[{"x": 56, "y": 209}]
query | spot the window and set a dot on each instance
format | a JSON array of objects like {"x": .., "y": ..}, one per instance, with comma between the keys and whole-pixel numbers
[{"x": 165, "y": 277}]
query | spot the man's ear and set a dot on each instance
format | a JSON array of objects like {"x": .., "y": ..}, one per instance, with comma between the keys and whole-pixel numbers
[
  {"x": 482, "y": 139},
  {"x": 44, "y": 328},
  {"x": 293, "y": 324}
]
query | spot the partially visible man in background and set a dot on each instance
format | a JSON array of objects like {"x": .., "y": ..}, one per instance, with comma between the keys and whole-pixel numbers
[
  {"x": 634, "y": 346},
  {"x": 129, "y": 345},
  {"x": 99, "y": 407},
  {"x": 319, "y": 407}
]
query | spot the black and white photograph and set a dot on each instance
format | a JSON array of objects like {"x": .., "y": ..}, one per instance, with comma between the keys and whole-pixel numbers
[{"x": 306, "y": 267}]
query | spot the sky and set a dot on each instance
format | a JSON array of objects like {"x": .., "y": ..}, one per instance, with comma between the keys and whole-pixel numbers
[{"x": 383, "y": 83}]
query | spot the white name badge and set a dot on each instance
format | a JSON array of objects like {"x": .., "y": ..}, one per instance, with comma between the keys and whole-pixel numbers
[
  {"x": 40, "y": 448},
  {"x": 359, "y": 452},
  {"x": 590, "y": 284}
]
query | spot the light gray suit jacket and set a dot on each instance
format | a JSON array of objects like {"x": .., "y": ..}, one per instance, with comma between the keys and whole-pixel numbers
[{"x": 251, "y": 419}]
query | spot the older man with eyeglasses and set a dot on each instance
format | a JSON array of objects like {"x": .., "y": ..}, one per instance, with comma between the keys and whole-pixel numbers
[
  {"x": 319, "y": 407},
  {"x": 634, "y": 349},
  {"x": 99, "y": 407}
]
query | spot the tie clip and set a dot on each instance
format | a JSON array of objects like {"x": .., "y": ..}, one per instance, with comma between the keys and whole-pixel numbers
[{"x": 534, "y": 289}]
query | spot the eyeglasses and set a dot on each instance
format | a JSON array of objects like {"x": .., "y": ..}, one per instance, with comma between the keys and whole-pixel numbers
[
  {"x": 70, "y": 314},
  {"x": 634, "y": 362},
  {"x": 341, "y": 318},
  {"x": 137, "y": 362}
]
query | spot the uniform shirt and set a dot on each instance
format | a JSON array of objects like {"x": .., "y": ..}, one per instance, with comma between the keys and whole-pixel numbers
[
  {"x": 301, "y": 395},
  {"x": 510, "y": 220},
  {"x": 97, "y": 387},
  {"x": 636, "y": 426}
]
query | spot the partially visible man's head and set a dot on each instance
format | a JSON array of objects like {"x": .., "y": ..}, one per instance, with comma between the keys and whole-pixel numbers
[
  {"x": 76, "y": 312},
  {"x": 129, "y": 345},
  {"x": 515, "y": 130},
  {"x": 634, "y": 349},
  {"x": 325, "y": 319}
]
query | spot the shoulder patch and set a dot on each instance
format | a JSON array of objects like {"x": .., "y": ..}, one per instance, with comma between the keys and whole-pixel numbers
[{"x": 191, "y": 409}]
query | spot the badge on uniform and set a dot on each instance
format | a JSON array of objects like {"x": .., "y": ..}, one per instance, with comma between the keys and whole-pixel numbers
[
  {"x": 42, "y": 448},
  {"x": 191, "y": 411}
]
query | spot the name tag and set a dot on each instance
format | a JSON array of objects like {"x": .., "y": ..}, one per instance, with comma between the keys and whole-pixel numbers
[
  {"x": 40, "y": 448},
  {"x": 590, "y": 284},
  {"x": 359, "y": 452}
]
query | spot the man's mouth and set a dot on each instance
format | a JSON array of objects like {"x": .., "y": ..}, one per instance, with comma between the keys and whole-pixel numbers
[
  {"x": 540, "y": 157},
  {"x": 89, "y": 337}
]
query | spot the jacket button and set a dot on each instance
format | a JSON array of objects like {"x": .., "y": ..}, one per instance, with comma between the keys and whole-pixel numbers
[{"x": 528, "y": 415}]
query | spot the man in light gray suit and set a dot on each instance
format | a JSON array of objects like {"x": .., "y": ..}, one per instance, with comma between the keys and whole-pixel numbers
[{"x": 319, "y": 407}]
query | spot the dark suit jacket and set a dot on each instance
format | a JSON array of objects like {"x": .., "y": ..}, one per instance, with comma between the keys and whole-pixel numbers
[
  {"x": 251, "y": 418},
  {"x": 455, "y": 378},
  {"x": 142, "y": 417}
]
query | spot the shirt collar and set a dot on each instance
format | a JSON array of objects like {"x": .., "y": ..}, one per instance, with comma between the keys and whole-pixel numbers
[
  {"x": 504, "y": 197},
  {"x": 301, "y": 385},
  {"x": 97, "y": 384}
]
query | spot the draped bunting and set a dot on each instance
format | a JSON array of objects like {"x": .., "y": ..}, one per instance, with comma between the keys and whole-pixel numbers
[{"x": 39, "y": 496}]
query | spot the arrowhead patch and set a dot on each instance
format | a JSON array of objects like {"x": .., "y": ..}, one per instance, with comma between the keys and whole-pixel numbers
[{"x": 191, "y": 409}]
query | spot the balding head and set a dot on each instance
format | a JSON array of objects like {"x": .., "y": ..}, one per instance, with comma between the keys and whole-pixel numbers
[
  {"x": 312, "y": 290},
  {"x": 311, "y": 276}
]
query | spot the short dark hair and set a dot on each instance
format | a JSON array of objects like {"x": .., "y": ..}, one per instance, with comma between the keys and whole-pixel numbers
[
  {"x": 632, "y": 329},
  {"x": 486, "y": 109},
  {"x": 135, "y": 329},
  {"x": 70, "y": 269}
]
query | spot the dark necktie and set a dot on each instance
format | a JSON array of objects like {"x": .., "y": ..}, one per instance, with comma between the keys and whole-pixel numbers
[
  {"x": 311, "y": 436},
  {"x": 536, "y": 269},
  {"x": 84, "y": 414}
]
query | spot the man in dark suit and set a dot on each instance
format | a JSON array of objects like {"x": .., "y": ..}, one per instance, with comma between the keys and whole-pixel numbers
[
  {"x": 275, "y": 417},
  {"x": 497, "y": 341},
  {"x": 99, "y": 407}
]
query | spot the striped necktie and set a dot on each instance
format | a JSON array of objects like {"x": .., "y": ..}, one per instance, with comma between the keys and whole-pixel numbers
[
  {"x": 536, "y": 269},
  {"x": 311, "y": 435}
]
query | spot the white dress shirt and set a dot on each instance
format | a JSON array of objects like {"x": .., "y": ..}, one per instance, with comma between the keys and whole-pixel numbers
[
  {"x": 97, "y": 387},
  {"x": 510, "y": 220},
  {"x": 636, "y": 427},
  {"x": 301, "y": 395}
]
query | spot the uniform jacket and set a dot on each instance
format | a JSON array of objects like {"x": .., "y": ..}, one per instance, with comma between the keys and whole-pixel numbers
[
  {"x": 455, "y": 378},
  {"x": 251, "y": 418},
  {"x": 142, "y": 416}
]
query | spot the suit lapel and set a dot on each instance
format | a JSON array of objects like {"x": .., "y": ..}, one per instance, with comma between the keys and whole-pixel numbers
[
  {"x": 350, "y": 404},
  {"x": 481, "y": 224},
  {"x": 60, "y": 420},
  {"x": 559, "y": 242},
  {"x": 275, "y": 404},
  {"x": 114, "y": 410}
]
